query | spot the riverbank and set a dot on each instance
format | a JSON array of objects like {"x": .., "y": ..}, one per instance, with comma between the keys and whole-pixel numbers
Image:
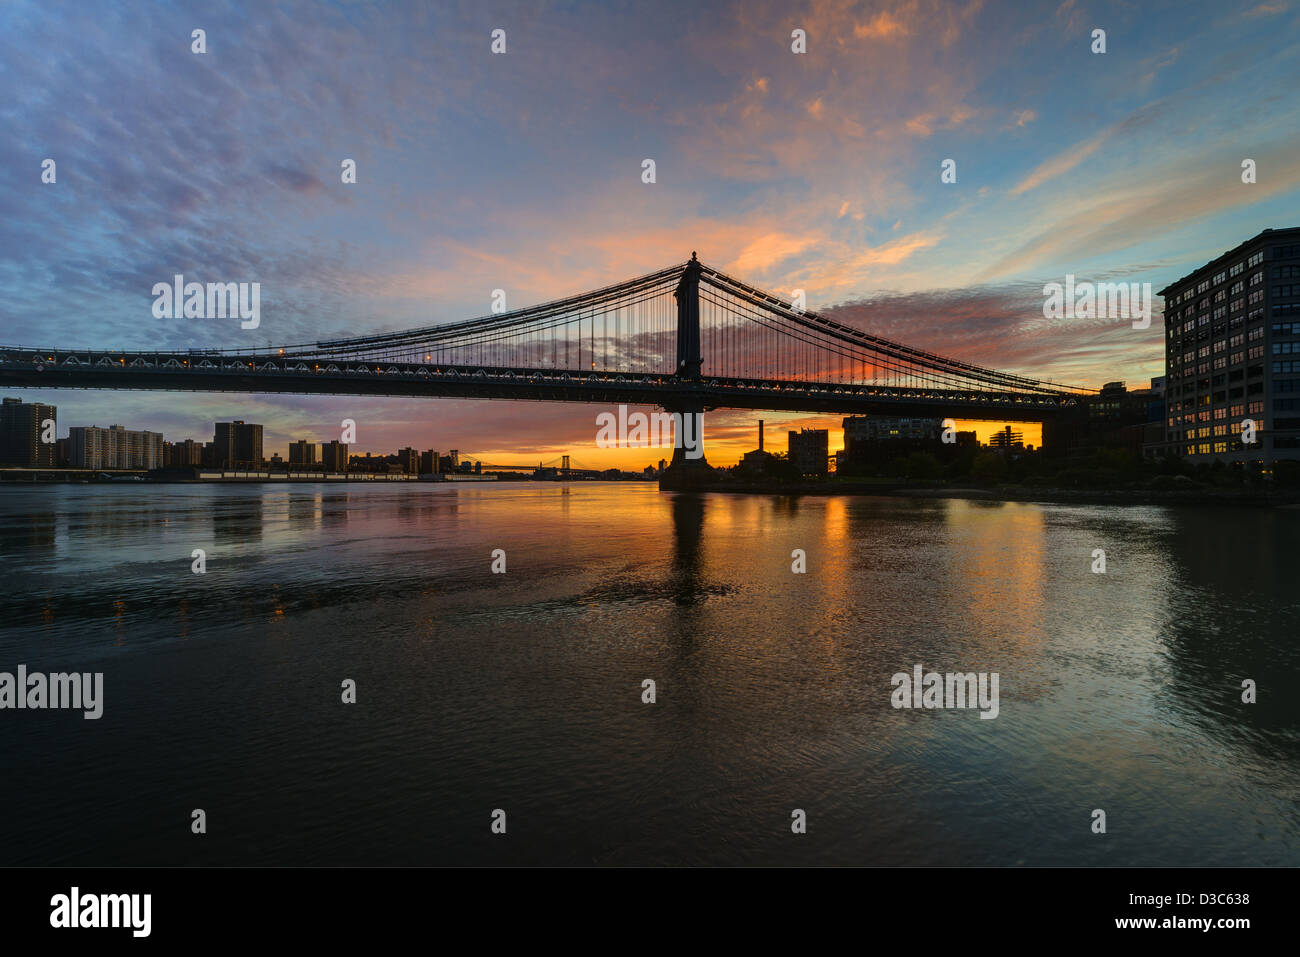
[{"x": 1192, "y": 494}]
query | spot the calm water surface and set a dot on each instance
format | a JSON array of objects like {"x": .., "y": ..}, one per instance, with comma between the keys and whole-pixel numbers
[{"x": 522, "y": 691}]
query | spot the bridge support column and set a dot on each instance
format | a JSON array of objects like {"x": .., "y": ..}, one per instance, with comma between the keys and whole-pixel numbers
[{"x": 688, "y": 468}]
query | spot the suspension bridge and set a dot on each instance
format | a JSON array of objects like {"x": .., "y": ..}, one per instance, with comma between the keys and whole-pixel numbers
[{"x": 687, "y": 339}]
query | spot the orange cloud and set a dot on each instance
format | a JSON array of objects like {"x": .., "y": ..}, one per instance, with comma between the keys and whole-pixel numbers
[{"x": 883, "y": 26}]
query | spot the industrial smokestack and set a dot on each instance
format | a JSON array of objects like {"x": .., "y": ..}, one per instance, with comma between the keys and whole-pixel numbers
[{"x": 760, "y": 435}]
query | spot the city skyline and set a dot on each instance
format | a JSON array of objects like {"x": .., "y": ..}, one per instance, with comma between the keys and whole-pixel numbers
[
  {"x": 797, "y": 185},
  {"x": 986, "y": 437}
]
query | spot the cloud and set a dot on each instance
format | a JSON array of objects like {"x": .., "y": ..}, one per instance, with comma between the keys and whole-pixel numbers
[
  {"x": 1060, "y": 164},
  {"x": 1002, "y": 326},
  {"x": 1116, "y": 214},
  {"x": 295, "y": 178},
  {"x": 883, "y": 26}
]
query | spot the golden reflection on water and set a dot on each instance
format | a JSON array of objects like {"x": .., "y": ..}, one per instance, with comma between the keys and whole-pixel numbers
[
  {"x": 997, "y": 572},
  {"x": 119, "y": 625},
  {"x": 277, "y": 610}
]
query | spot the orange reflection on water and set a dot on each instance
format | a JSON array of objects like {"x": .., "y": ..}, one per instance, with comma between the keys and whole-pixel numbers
[
  {"x": 277, "y": 611},
  {"x": 997, "y": 573},
  {"x": 119, "y": 627}
]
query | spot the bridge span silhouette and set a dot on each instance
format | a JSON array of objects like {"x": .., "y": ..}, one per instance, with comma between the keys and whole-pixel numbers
[{"x": 687, "y": 339}]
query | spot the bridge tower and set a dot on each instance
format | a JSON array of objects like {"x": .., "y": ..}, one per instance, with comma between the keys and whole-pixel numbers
[
  {"x": 688, "y": 466},
  {"x": 688, "y": 321}
]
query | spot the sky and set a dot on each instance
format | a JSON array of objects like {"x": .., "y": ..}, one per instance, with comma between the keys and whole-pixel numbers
[{"x": 522, "y": 171}]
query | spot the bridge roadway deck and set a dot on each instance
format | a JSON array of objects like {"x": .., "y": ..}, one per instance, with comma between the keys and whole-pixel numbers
[{"x": 263, "y": 374}]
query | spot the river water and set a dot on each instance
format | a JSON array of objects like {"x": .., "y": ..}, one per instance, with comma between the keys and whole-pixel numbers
[{"x": 523, "y": 691}]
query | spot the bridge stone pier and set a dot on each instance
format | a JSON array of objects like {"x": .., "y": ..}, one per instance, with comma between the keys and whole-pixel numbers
[{"x": 688, "y": 467}]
